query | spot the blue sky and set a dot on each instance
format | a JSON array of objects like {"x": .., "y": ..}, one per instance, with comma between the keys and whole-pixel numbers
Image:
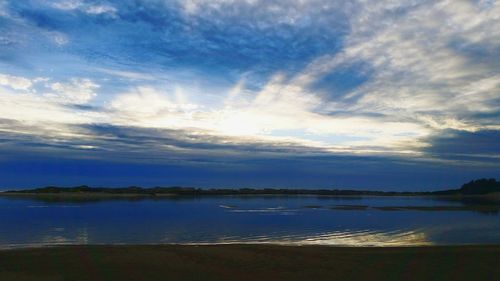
[{"x": 394, "y": 95}]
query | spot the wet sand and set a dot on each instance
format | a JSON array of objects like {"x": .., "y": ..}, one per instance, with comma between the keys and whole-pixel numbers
[{"x": 250, "y": 262}]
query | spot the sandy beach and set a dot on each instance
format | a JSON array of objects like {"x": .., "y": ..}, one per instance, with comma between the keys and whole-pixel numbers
[{"x": 249, "y": 262}]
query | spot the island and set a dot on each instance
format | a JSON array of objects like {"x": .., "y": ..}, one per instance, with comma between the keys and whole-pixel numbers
[{"x": 474, "y": 187}]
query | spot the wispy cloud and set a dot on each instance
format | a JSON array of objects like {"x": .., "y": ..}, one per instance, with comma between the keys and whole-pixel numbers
[{"x": 84, "y": 6}]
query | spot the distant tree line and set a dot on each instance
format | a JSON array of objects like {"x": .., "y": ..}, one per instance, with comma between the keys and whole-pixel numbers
[
  {"x": 481, "y": 186},
  {"x": 474, "y": 187},
  {"x": 199, "y": 191}
]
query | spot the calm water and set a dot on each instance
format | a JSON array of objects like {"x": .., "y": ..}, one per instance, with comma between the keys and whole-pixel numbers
[{"x": 288, "y": 220}]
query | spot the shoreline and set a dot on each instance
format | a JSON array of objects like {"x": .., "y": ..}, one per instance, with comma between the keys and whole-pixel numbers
[
  {"x": 16, "y": 247},
  {"x": 478, "y": 187},
  {"x": 250, "y": 262},
  {"x": 170, "y": 195}
]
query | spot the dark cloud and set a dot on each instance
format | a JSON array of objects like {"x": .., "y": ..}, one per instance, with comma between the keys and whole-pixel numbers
[
  {"x": 135, "y": 144},
  {"x": 314, "y": 172},
  {"x": 343, "y": 80},
  {"x": 482, "y": 146},
  {"x": 127, "y": 155},
  {"x": 477, "y": 54}
]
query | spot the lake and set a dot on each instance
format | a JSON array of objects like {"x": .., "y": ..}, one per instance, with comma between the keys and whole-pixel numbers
[{"x": 347, "y": 221}]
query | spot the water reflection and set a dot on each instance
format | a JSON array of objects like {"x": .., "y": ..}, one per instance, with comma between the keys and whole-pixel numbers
[
  {"x": 359, "y": 238},
  {"x": 302, "y": 220}
]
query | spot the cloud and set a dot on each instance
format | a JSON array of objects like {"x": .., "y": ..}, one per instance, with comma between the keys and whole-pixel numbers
[
  {"x": 126, "y": 74},
  {"x": 76, "y": 91},
  {"x": 101, "y": 9},
  {"x": 393, "y": 79},
  {"x": 38, "y": 101},
  {"x": 3, "y": 9},
  {"x": 59, "y": 38},
  {"x": 123, "y": 156},
  {"x": 418, "y": 70},
  {"x": 37, "y": 109},
  {"x": 276, "y": 108},
  {"x": 15, "y": 82},
  {"x": 480, "y": 146},
  {"x": 92, "y": 9},
  {"x": 249, "y": 39},
  {"x": 67, "y": 4}
]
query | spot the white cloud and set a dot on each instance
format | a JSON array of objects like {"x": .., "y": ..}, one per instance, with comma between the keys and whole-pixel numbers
[
  {"x": 92, "y": 9},
  {"x": 38, "y": 101},
  {"x": 147, "y": 107},
  {"x": 76, "y": 91},
  {"x": 66, "y": 4},
  {"x": 32, "y": 99},
  {"x": 15, "y": 82},
  {"x": 36, "y": 109},
  {"x": 46, "y": 117},
  {"x": 100, "y": 9},
  {"x": 279, "y": 107}
]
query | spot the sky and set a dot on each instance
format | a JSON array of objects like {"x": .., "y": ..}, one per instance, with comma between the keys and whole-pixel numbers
[{"x": 388, "y": 95}]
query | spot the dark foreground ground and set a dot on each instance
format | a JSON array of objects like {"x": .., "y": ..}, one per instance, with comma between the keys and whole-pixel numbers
[{"x": 249, "y": 262}]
